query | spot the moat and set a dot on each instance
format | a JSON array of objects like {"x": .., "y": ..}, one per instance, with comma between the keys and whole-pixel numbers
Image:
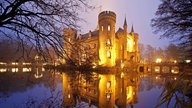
[{"x": 47, "y": 88}]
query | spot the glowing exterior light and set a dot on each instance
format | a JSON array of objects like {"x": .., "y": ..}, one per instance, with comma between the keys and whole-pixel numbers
[
  {"x": 158, "y": 60},
  {"x": 2, "y": 63},
  {"x": 156, "y": 77},
  {"x": 187, "y": 61},
  {"x": 3, "y": 70},
  {"x": 14, "y": 63},
  {"x": 26, "y": 63},
  {"x": 26, "y": 69},
  {"x": 14, "y": 69}
]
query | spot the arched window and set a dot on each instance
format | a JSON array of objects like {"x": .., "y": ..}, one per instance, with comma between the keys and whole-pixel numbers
[
  {"x": 108, "y": 42},
  {"x": 108, "y": 54},
  {"x": 108, "y": 84},
  {"x": 109, "y": 28},
  {"x": 101, "y": 28}
]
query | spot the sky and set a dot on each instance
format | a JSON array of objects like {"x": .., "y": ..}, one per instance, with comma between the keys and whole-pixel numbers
[{"x": 137, "y": 12}]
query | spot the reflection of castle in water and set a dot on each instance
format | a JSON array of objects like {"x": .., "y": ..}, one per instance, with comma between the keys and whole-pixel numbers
[{"x": 104, "y": 90}]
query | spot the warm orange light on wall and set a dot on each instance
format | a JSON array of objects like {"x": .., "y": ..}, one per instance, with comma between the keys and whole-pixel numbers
[
  {"x": 130, "y": 43},
  {"x": 129, "y": 91}
]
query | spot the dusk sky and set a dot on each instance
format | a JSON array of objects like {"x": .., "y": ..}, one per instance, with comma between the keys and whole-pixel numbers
[{"x": 137, "y": 12}]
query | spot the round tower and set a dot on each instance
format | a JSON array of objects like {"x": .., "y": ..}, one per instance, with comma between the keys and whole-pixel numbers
[{"x": 107, "y": 21}]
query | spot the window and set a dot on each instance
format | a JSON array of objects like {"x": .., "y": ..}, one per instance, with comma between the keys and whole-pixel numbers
[
  {"x": 69, "y": 39},
  {"x": 101, "y": 28},
  {"x": 108, "y": 54},
  {"x": 95, "y": 91},
  {"x": 108, "y": 84},
  {"x": 109, "y": 28},
  {"x": 108, "y": 42},
  {"x": 95, "y": 45},
  {"x": 69, "y": 96}
]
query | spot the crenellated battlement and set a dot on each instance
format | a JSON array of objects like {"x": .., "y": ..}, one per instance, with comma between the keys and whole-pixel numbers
[{"x": 107, "y": 15}]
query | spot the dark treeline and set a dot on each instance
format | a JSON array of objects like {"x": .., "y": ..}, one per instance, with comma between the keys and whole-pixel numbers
[{"x": 13, "y": 51}]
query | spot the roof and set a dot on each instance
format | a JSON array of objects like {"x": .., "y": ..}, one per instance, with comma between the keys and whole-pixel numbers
[
  {"x": 125, "y": 22},
  {"x": 93, "y": 34},
  {"x": 119, "y": 30},
  {"x": 132, "y": 30}
]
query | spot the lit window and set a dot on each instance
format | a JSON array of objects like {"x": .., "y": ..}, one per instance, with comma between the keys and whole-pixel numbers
[
  {"x": 69, "y": 39},
  {"x": 101, "y": 28},
  {"x": 108, "y": 84},
  {"x": 108, "y": 97},
  {"x": 69, "y": 96},
  {"x": 109, "y": 27},
  {"x": 108, "y": 54},
  {"x": 108, "y": 42}
]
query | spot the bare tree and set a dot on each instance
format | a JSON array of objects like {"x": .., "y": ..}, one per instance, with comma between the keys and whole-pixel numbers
[
  {"x": 173, "y": 52},
  {"x": 150, "y": 54},
  {"x": 142, "y": 51},
  {"x": 40, "y": 22},
  {"x": 174, "y": 20}
]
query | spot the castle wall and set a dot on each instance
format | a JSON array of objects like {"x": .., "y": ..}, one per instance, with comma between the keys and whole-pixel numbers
[{"x": 106, "y": 46}]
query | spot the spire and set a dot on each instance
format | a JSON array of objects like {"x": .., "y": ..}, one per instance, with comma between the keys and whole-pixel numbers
[
  {"x": 125, "y": 25},
  {"x": 132, "y": 30},
  {"x": 125, "y": 22}
]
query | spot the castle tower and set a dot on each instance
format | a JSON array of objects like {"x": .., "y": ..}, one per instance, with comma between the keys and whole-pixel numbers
[
  {"x": 107, "y": 54},
  {"x": 136, "y": 46}
]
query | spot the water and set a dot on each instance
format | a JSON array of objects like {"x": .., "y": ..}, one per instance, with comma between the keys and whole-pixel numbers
[
  {"x": 56, "y": 89},
  {"x": 24, "y": 89}
]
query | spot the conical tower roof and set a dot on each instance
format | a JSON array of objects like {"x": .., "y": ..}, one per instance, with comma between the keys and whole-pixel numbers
[
  {"x": 132, "y": 29},
  {"x": 125, "y": 22}
]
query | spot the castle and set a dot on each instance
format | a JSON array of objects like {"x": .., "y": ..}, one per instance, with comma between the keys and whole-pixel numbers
[{"x": 106, "y": 46}]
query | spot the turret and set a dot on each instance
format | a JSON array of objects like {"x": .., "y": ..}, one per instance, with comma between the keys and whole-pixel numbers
[{"x": 107, "y": 21}]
